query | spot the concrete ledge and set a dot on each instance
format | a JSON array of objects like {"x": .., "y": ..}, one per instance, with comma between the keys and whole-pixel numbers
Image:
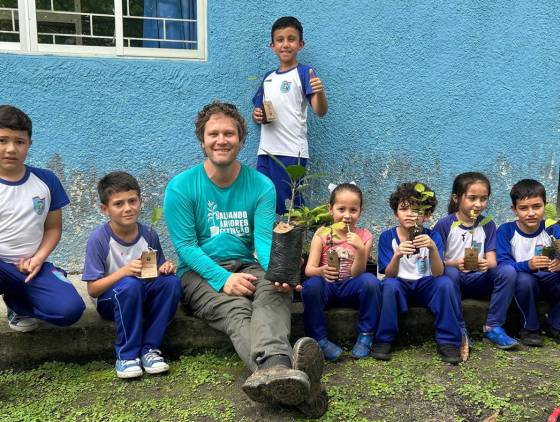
[{"x": 92, "y": 338}]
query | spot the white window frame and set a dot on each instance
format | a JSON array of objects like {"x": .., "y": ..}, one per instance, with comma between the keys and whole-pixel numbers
[{"x": 29, "y": 40}]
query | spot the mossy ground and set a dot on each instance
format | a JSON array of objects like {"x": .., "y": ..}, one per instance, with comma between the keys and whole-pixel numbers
[{"x": 413, "y": 386}]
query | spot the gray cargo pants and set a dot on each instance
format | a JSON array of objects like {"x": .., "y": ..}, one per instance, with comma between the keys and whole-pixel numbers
[{"x": 258, "y": 326}]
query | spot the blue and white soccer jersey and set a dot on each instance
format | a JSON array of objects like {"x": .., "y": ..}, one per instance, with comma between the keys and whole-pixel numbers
[
  {"x": 289, "y": 92},
  {"x": 516, "y": 248},
  {"x": 456, "y": 239},
  {"x": 106, "y": 253},
  {"x": 141, "y": 310},
  {"x": 412, "y": 267},
  {"x": 415, "y": 282},
  {"x": 24, "y": 206}
]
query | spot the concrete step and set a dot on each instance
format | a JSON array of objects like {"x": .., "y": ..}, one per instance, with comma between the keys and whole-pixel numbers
[{"x": 92, "y": 338}]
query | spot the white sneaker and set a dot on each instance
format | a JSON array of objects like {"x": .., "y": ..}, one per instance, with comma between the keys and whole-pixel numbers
[
  {"x": 21, "y": 323},
  {"x": 153, "y": 362}
]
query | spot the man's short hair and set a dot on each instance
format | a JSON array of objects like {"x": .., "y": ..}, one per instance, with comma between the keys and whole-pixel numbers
[
  {"x": 218, "y": 107},
  {"x": 13, "y": 118},
  {"x": 115, "y": 182},
  {"x": 287, "y": 22},
  {"x": 527, "y": 188}
]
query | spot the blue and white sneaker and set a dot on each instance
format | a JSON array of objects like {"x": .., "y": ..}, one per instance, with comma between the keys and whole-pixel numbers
[
  {"x": 128, "y": 368},
  {"x": 499, "y": 338},
  {"x": 21, "y": 323},
  {"x": 153, "y": 362}
]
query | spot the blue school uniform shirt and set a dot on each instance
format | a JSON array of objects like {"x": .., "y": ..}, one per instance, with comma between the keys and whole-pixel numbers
[
  {"x": 24, "y": 206},
  {"x": 456, "y": 239},
  {"x": 209, "y": 224},
  {"x": 516, "y": 248},
  {"x": 106, "y": 252},
  {"x": 412, "y": 267}
]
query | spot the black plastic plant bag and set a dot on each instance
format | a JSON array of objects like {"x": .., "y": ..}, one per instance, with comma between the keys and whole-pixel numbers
[{"x": 285, "y": 256}]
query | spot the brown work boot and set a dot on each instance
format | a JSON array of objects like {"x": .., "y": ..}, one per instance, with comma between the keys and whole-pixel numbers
[
  {"x": 308, "y": 357},
  {"x": 275, "y": 382}
]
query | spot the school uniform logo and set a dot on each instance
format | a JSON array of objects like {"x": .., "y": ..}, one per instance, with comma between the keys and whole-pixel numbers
[
  {"x": 285, "y": 87},
  {"x": 39, "y": 205},
  {"x": 422, "y": 265}
]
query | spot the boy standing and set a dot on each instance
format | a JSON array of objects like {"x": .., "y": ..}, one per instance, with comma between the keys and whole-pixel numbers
[
  {"x": 286, "y": 90},
  {"x": 31, "y": 201},
  {"x": 414, "y": 272},
  {"x": 520, "y": 244},
  {"x": 141, "y": 308}
]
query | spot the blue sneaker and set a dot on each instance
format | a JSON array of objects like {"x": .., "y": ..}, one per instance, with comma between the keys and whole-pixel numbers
[
  {"x": 21, "y": 323},
  {"x": 153, "y": 362},
  {"x": 128, "y": 368},
  {"x": 363, "y": 346},
  {"x": 330, "y": 350},
  {"x": 499, "y": 338}
]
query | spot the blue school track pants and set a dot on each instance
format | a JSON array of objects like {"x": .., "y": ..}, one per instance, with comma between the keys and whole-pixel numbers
[
  {"x": 142, "y": 310},
  {"x": 527, "y": 291},
  {"x": 439, "y": 294},
  {"x": 362, "y": 292},
  {"x": 280, "y": 178},
  {"x": 49, "y": 296},
  {"x": 498, "y": 283}
]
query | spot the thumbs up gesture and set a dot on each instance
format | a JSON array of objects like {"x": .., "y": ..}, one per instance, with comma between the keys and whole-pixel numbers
[{"x": 315, "y": 82}]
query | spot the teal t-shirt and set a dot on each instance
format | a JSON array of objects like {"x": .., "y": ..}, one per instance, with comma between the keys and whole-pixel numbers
[{"x": 209, "y": 224}]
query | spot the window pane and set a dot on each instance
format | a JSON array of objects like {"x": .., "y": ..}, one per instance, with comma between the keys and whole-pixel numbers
[
  {"x": 76, "y": 22},
  {"x": 9, "y": 22},
  {"x": 8, "y": 4},
  {"x": 160, "y": 23}
]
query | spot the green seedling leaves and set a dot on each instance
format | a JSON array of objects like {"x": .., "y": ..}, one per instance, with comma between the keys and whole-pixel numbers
[
  {"x": 419, "y": 187},
  {"x": 550, "y": 214},
  {"x": 295, "y": 172},
  {"x": 485, "y": 220},
  {"x": 482, "y": 223},
  {"x": 157, "y": 212}
]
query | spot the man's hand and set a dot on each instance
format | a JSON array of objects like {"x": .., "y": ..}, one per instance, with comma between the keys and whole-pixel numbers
[
  {"x": 315, "y": 82},
  {"x": 537, "y": 262},
  {"x": 132, "y": 269},
  {"x": 354, "y": 240},
  {"x": 258, "y": 115},
  {"x": 405, "y": 248},
  {"x": 482, "y": 265},
  {"x": 167, "y": 268},
  {"x": 30, "y": 266},
  {"x": 240, "y": 284},
  {"x": 554, "y": 265}
]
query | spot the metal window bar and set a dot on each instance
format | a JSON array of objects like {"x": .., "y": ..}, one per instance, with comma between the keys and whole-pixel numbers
[{"x": 13, "y": 13}]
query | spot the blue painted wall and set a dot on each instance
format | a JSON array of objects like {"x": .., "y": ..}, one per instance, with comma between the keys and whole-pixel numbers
[{"x": 417, "y": 90}]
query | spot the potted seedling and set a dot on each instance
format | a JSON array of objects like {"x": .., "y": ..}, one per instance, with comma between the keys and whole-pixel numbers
[
  {"x": 288, "y": 236},
  {"x": 149, "y": 257},
  {"x": 472, "y": 251},
  {"x": 332, "y": 254},
  {"x": 419, "y": 205},
  {"x": 551, "y": 218}
]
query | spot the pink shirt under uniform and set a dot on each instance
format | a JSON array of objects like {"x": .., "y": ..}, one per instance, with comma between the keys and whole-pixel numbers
[{"x": 345, "y": 251}]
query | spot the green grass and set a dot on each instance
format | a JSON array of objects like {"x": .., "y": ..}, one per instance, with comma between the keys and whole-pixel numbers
[{"x": 414, "y": 385}]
